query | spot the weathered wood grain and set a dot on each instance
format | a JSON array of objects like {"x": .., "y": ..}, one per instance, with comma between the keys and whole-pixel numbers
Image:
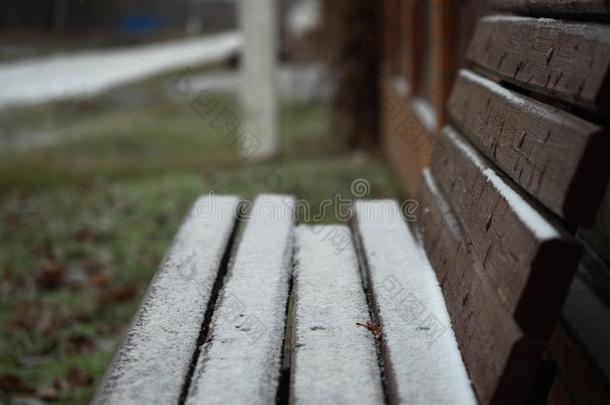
[
  {"x": 421, "y": 356},
  {"x": 240, "y": 362},
  {"x": 334, "y": 361},
  {"x": 557, "y": 157},
  {"x": 152, "y": 363},
  {"x": 575, "y": 8},
  {"x": 569, "y": 61},
  {"x": 529, "y": 260},
  {"x": 500, "y": 359}
]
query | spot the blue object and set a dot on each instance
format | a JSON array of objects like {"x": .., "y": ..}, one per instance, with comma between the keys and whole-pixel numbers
[{"x": 140, "y": 24}]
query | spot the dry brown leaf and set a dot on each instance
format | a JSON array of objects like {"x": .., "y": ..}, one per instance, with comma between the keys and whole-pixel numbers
[
  {"x": 372, "y": 327},
  {"x": 118, "y": 294},
  {"x": 77, "y": 377},
  {"x": 51, "y": 275},
  {"x": 13, "y": 383}
]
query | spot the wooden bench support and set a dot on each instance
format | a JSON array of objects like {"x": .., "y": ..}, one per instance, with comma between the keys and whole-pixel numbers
[
  {"x": 501, "y": 360},
  {"x": 558, "y": 158},
  {"x": 565, "y": 60},
  {"x": 528, "y": 258},
  {"x": 572, "y": 8},
  {"x": 421, "y": 357},
  {"x": 154, "y": 360},
  {"x": 240, "y": 362},
  {"x": 334, "y": 360}
]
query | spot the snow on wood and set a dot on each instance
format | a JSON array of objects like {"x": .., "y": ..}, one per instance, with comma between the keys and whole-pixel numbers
[
  {"x": 545, "y": 111},
  {"x": 565, "y": 60},
  {"x": 526, "y": 213},
  {"x": 554, "y": 155},
  {"x": 153, "y": 361},
  {"x": 240, "y": 362},
  {"x": 334, "y": 360},
  {"x": 424, "y": 111},
  {"x": 422, "y": 360}
]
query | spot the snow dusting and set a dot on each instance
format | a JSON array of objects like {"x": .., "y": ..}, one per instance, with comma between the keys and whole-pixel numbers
[
  {"x": 541, "y": 228},
  {"x": 152, "y": 363},
  {"x": 545, "y": 111},
  {"x": 425, "y": 114},
  {"x": 422, "y": 360},
  {"x": 334, "y": 360},
  {"x": 240, "y": 363}
]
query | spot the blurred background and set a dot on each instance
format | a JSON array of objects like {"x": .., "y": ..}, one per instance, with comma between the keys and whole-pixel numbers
[{"x": 115, "y": 115}]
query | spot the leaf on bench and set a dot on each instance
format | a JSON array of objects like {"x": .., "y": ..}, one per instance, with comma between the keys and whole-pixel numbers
[
  {"x": 421, "y": 356},
  {"x": 334, "y": 361}
]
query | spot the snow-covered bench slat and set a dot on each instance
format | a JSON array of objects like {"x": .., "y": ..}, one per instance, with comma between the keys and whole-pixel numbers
[
  {"x": 529, "y": 257},
  {"x": 240, "y": 362},
  {"x": 334, "y": 360},
  {"x": 153, "y": 361},
  {"x": 480, "y": 321},
  {"x": 422, "y": 361}
]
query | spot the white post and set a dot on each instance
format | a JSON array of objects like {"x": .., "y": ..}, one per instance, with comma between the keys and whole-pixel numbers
[{"x": 258, "y": 95}]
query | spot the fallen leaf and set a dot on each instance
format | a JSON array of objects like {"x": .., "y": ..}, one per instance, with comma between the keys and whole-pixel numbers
[
  {"x": 44, "y": 248},
  {"x": 50, "y": 275},
  {"x": 13, "y": 383},
  {"x": 373, "y": 328},
  {"x": 101, "y": 278},
  {"x": 80, "y": 344},
  {"x": 87, "y": 234},
  {"x": 118, "y": 294},
  {"x": 77, "y": 377}
]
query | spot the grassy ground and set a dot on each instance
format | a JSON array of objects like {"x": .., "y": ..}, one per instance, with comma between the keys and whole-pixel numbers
[{"x": 85, "y": 222}]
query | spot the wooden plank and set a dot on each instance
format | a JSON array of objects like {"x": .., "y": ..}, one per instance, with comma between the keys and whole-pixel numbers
[
  {"x": 421, "y": 357},
  {"x": 391, "y": 37},
  {"x": 557, "y": 157},
  {"x": 410, "y": 43},
  {"x": 405, "y": 140},
  {"x": 334, "y": 361},
  {"x": 425, "y": 79},
  {"x": 569, "y": 61},
  {"x": 599, "y": 8},
  {"x": 501, "y": 360},
  {"x": 240, "y": 363},
  {"x": 530, "y": 260},
  {"x": 443, "y": 54},
  {"x": 153, "y": 361}
]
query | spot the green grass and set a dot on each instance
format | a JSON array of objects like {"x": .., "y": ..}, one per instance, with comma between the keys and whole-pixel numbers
[{"x": 84, "y": 223}]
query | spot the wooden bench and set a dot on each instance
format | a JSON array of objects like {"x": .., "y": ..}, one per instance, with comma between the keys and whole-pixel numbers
[
  {"x": 460, "y": 308},
  {"x": 259, "y": 310},
  {"x": 523, "y": 165}
]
